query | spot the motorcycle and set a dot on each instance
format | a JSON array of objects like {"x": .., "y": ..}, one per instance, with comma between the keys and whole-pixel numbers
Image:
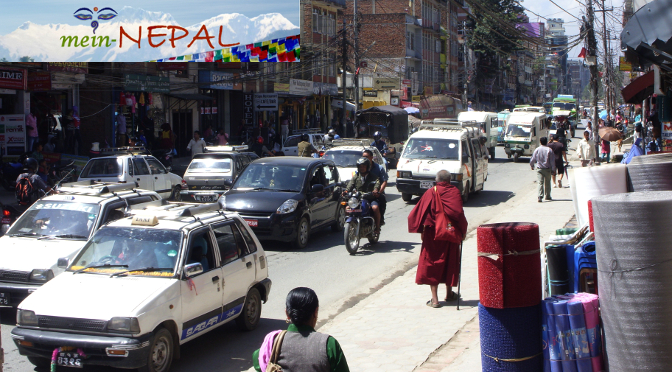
[
  {"x": 359, "y": 222},
  {"x": 10, "y": 171},
  {"x": 61, "y": 172},
  {"x": 165, "y": 156}
]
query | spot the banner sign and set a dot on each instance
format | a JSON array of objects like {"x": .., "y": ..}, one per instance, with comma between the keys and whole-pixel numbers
[
  {"x": 248, "y": 108},
  {"x": 39, "y": 81},
  {"x": 14, "y": 133},
  {"x": 265, "y": 102},
  {"x": 219, "y": 80},
  {"x": 147, "y": 83},
  {"x": 13, "y": 78},
  {"x": 76, "y": 67},
  {"x": 300, "y": 87},
  {"x": 666, "y": 136}
]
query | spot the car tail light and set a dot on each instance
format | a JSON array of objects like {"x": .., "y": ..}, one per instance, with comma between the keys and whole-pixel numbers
[
  {"x": 6, "y": 213},
  {"x": 321, "y": 153},
  {"x": 184, "y": 185}
]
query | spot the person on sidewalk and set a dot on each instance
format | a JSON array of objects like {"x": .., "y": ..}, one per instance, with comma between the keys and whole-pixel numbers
[
  {"x": 586, "y": 150},
  {"x": 196, "y": 145},
  {"x": 560, "y": 152},
  {"x": 606, "y": 150},
  {"x": 439, "y": 260},
  {"x": 302, "y": 348},
  {"x": 543, "y": 160}
]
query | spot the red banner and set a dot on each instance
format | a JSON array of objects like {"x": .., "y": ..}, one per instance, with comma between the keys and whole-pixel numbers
[
  {"x": 39, "y": 81},
  {"x": 13, "y": 78}
]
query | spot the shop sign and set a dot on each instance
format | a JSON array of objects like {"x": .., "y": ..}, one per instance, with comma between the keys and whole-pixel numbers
[
  {"x": 230, "y": 65},
  {"x": 219, "y": 80},
  {"x": 331, "y": 89},
  {"x": 14, "y": 141},
  {"x": 370, "y": 93},
  {"x": 300, "y": 87},
  {"x": 406, "y": 82},
  {"x": 385, "y": 83},
  {"x": 146, "y": 83},
  {"x": 624, "y": 65},
  {"x": 39, "y": 81},
  {"x": 281, "y": 87},
  {"x": 428, "y": 91},
  {"x": 172, "y": 66},
  {"x": 265, "y": 102},
  {"x": 317, "y": 88},
  {"x": 666, "y": 136},
  {"x": 7, "y": 91},
  {"x": 415, "y": 98},
  {"x": 76, "y": 67},
  {"x": 13, "y": 78},
  {"x": 248, "y": 108},
  {"x": 394, "y": 101}
]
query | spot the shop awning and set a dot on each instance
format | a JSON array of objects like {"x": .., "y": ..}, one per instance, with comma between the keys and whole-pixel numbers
[
  {"x": 638, "y": 89},
  {"x": 191, "y": 97},
  {"x": 648, "y": 33}
]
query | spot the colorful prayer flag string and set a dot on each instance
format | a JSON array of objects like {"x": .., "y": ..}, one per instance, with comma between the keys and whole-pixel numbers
[{"x": 286, "y": 49}]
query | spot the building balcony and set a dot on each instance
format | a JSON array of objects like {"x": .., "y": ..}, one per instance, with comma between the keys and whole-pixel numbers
[{"x": 337, "y": 3}]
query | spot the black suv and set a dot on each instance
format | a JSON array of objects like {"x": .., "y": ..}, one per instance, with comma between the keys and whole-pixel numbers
[
  {"x": 210, "y": 174},
  {"x": 284, "y": 198}
]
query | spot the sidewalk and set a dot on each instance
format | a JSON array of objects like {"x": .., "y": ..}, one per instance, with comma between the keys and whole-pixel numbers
[{"x": 393, "y": 329}]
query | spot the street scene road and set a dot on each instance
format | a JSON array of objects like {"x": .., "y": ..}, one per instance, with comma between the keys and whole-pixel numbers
[{"x": 339, "y": 279}]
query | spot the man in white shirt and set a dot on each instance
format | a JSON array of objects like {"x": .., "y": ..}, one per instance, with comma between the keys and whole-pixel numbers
[
  {"x": 586, "y": 150},
  {"x": 196, "y": 145},
  {"x": 544, "y": 160}
]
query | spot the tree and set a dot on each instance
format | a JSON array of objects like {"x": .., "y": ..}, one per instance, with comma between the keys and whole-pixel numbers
[{"x": 26, "y": 59}]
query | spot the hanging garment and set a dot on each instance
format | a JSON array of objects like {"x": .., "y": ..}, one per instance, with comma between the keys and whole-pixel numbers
[
  {"x": 150, "y": 99},
  {"x": 142, "y": 99},
  {"x": 128, "y": 99}
]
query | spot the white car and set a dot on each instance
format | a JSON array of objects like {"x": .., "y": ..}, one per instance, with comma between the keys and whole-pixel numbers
[
  {"x": 144, "y": 285},
  {"x": 345, "y": 158},
  {"x": 291, "y": 145},
  {"x": 146, "y": 170},
  {"x": 58, "y": 226}
]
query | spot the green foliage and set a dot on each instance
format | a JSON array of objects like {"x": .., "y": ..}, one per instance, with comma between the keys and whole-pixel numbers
[
  {"x": 494, "y": 27},
  {"x": 26, "y": 59}
]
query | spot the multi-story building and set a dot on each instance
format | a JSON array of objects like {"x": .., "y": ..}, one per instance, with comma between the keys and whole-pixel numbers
[{"x": 557, "y": 42}]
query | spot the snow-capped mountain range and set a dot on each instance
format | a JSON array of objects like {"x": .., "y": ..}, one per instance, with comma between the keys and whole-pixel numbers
[{"x": 43, "y": 42}]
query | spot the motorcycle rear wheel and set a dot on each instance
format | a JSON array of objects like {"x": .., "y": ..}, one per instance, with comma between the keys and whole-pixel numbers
[{"x": 351, "y": 237}]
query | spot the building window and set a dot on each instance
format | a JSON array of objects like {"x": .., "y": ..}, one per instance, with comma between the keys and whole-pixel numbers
[
  {"x": 315, "y": 17},
  {"x": 319, "y": 22},
  {"x": 410, "y": 41}
]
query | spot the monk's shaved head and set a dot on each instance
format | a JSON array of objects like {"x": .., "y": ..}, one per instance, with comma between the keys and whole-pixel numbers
[{"x": 443, "y": 176}]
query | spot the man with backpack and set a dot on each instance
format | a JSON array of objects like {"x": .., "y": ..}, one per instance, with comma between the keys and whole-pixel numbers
[{"x": 29, "y": 185}]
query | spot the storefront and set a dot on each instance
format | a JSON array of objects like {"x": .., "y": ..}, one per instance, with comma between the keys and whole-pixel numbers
[
  {"x": 141, "y": 103},
  {"x": 217, "y": 114},
  {"x": 14, "y": 104}
]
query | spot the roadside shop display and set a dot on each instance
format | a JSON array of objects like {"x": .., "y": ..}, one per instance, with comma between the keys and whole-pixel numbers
[
  {"x": 650, "y": 176},
  {"x": 596, "y": 181}
]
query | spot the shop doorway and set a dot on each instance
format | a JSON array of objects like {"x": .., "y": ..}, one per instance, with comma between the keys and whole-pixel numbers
[{"x": 183, "y": 129}]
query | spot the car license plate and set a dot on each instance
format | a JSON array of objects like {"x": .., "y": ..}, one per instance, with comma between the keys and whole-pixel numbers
[
  {"x": 426, "y": 184},
  {"x": 6, "y": 220},
  {"x": 69, "y": 359},
  {"x": 252, "y": 223},
  {"x": 355, "y": 211},
  {"x": 205, "y": 198},
  {"x": 4, "y": 299}
]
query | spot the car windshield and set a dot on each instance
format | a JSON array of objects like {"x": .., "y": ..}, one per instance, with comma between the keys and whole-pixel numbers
[
  {"x": 116, "y": 249},
  {"x": 516, "y": 130},
  {"x": 56, "y": 219},
  {"x": 447, "y": 149},
  {"x": 210, "y": 165},
  {"x": 260, "y": 176},
  {"x": 343, "y": 158},
  {"x": 564, "y": 105},
  {"x": 104, "y": 167}
]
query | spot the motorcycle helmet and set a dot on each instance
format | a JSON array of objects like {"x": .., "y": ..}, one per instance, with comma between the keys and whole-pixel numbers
[
  {"x": 377, "y": 136},
  {"x": 364, "y": 161},
  {"x": 305, "y": 137},
  {"x": 31, "y": 163},
  {"x": 332, "y": 132}
]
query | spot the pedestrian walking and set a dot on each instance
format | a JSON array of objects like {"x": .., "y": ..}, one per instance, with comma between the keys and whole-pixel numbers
[
  {"x": 543, "y": 160},
  {"x": 122, "y": 139},
  {"x": 439, "y": 260},
  {"x": 560, "y": 153},
  {"x": 167, "y": 137},
  {"x": 33, "y": 135},
  {"x": 586, "y": 150},
  {"x": 606, "y": 150},
  {"x": 222, "y": 138},
  {"x": 197, "y": 144},
  {"x": 301, "y": 348}
]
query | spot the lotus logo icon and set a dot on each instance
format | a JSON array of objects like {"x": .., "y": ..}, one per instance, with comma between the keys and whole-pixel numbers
[{"x": 84, "y": 14}]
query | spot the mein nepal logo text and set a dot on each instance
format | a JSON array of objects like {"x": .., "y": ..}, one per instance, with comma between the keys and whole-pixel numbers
[{"x": 107, "y": 13}]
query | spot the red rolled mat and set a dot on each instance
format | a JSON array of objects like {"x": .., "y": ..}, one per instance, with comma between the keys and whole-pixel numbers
[
  {"x": 509, "y": 265},
  {"x": 590, "y": 216}
]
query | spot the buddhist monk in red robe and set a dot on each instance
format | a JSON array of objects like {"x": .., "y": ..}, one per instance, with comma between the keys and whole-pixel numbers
[{"x": 439, "y": 260}]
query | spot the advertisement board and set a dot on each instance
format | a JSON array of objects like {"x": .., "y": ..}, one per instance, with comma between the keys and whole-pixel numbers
[
  {"x": 666, "y": 136},
  {"x": 14, "y": 136}
]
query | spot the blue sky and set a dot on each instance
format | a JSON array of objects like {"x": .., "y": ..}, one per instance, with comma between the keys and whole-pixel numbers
[{"x": 185, "y": 12}]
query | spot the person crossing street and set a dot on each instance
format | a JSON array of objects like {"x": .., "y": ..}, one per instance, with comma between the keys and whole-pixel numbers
[{"x": 543, "y": 160}]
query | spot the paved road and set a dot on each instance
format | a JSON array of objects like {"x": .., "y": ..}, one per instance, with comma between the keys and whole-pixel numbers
[{"x": 339, "y": 279}]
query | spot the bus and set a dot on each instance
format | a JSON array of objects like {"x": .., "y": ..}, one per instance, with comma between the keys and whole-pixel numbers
[{"x": 563, "y": 104}]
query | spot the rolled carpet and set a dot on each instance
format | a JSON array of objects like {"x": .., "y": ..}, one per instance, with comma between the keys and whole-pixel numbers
[
  {"x": 511, "y": 339},
  {"x": 633, "y": 242},
  {"x": 656, "y": 176},
  {"x": 509, "y": 265}
]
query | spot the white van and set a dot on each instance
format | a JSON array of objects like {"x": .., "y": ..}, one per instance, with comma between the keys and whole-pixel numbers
[
  {"x": 523, "y": 130},
  {"x": 453, "y": 146},
  {"x": 488, "y": 123}
]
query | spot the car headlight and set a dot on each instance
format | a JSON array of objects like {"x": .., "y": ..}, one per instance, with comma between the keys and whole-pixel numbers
[
  {"x": 26, "y": 318},
  {"x": 41, "y": 275},
  {"x": 120, "y": 324},
  {"x": 353, "y": 203},
  {"x": 404, "y": 174},
  {"x": 527, "y": 146},
  {"x": 288, "y": 207},
  {"x": 507, "y": 145},
  {"x": 222, "y": 202}
]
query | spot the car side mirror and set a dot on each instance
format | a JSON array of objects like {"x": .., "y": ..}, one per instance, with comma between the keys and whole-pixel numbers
[
  {"x": 62, "y": 263},
  {"x": 228, "y": 183},
  {"x": 317, "y": 188},
  {"x": 193, "y": 269}
]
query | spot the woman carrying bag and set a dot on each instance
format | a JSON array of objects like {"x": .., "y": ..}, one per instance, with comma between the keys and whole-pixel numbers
[
  {"x": 439, "y": 217},
  {"x": 300, "y": 347}
]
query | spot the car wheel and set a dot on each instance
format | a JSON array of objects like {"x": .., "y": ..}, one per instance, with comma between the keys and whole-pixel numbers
[
  {"x": 302, "y": 234},
  {"x": 39, "y": 362},
  {"x": 515, "y": 157},
  {"x": 175, "y": 195},
  {"x": 492, "y": 152},
  {"x": 465, "y": 194},
  {"x": 406, "y": 197},
  {"x": 340, "y": 220},
  {"x": 249, "y": 317},
  {"x": 160, "y": 352}
]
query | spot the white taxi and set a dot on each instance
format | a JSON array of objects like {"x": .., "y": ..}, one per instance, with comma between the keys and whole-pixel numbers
[{"x": 149, "y": 283}]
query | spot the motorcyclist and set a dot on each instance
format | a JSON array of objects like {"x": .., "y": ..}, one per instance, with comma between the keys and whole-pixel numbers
[
  {"x": 30, "y": 172},
  {"x": 379, "y": 172},
  {"x": 365, "y": 181},
  {"x": 305, "y": 148},
  {"x": 380, "y": 144},
  {"x": 259, "y": 148}
]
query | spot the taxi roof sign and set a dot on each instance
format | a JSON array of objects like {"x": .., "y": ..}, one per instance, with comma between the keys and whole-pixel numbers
[
  {"x": 145, "y": 220},
  {"x": 226, "y": 148}
]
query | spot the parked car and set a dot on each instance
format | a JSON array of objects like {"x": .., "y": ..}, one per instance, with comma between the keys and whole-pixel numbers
[
  {"x": 345, "y": 157},
  {"x": 291, "y": 145},
  {"x": 210, "y": 174},
  {"x": 144, "y": 285},
  {"x": 146, "y": 170},
  {"x": 58, "y": 226},
  {"x": 285, "y": 198}
]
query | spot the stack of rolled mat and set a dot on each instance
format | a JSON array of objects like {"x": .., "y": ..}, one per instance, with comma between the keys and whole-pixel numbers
[
  {"x": 511, "y": 339},
  {"x": 596, "y": 181},
  {"x": 571, "y": 333},
  {"x": 509, "y": 267},
  {"x": 633, "y": 242},
  {"x": 650, "y": 176},
  {"x": 653, "y": 158}
]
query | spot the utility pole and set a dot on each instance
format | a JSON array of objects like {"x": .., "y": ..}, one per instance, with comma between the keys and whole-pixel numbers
[
  {"x": 356, "y": 47},
  {"x": 607, "y": 62},
  {"x": 592, "y": 52},
  {"x": 464, "y": 59},
  {"x": 343, "y": 78}
]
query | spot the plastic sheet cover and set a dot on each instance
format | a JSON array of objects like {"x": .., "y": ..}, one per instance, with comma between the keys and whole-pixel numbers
[
  {"x": 656, "y": 176},
  {"x": 633, "y": 242},
  {"x": 597, "y": 181}
]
